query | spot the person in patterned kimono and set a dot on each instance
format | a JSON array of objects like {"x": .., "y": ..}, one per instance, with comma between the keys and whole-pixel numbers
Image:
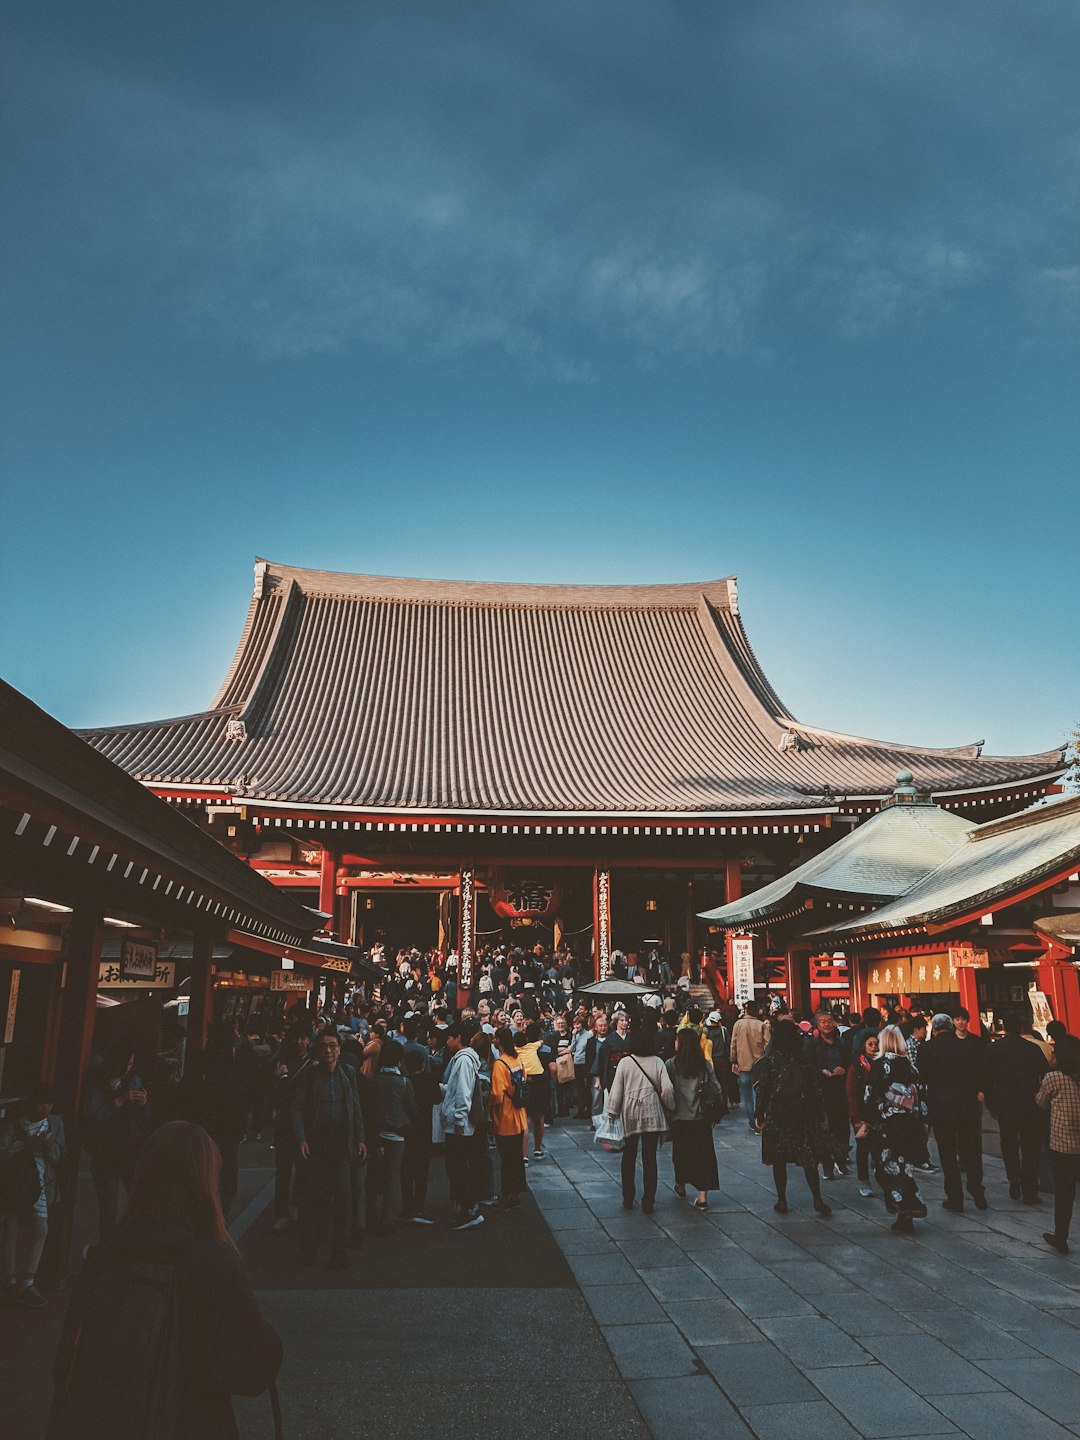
[{"x": 894, "y": 1116}]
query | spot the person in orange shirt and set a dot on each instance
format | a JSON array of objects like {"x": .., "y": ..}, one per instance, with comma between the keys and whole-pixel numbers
[{"x": 508, "y": 1119}]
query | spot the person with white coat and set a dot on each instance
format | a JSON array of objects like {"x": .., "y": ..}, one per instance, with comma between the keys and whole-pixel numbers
[{"x": 641, "y": 1098}]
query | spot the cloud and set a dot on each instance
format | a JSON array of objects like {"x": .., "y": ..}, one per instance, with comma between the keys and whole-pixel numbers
[{"x": 544, "y": 188}]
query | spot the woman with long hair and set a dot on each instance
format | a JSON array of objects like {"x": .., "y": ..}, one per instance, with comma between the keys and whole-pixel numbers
[
  {"x": 641, "y": 1098},
  {"x": 1060, "y": 1094},
  {"x": 173, "y": 1236},
  {"x": 693, "y": 1154},
  {"x": 508, "y": 1117},
  {"x": 790, "y": 1114},
  {"x": 894, "y": 1116},
  {"x": 854, "y": 1085}
]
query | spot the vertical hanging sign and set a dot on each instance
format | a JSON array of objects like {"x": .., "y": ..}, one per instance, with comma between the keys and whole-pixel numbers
[
  {"x": 602, "y": 906},
  {"x": 466, "y": 931},
  {"x": 12, "y": 1006},
  {"x": 741, "y": 967}
]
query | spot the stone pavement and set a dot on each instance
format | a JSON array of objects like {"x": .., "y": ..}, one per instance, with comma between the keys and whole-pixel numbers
[{"x": 743, "y": 1322}]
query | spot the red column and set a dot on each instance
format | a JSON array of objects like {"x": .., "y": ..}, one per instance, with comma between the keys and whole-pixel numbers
[
  {"x": 732, "y": 880},
  {"x": 969, "y": 995},
  {"x": 1061, "y": 986}
]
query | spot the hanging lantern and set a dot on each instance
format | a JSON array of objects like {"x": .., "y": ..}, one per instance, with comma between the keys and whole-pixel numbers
[{"x": 526, "y": 897}]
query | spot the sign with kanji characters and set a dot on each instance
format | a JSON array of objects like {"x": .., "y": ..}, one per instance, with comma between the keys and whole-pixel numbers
[
  {"x": 1041, "y": 1014},
  {"x": 138, "y": 961},
  {"x": 290, "y": 980},
  {"x": 12, "y": 1006},
  {"x": 933, "y": 974},
  {"x": 966, "y": 957},
  {"x": 889, "y": 977},
  {"x": 110, "y": 977},
  {"x": 741, "y": 967}
]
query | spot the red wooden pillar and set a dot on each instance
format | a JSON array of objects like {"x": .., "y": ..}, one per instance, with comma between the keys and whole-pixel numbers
[
  {"x": 466, "y": 939},
  {"x": 601, "y": 923},
  {"x": 969, "y": 995},
  {"x": 1061, "y": 986},
  {"x": 732, "y": 879},
  {"x": 78, "y": 1011}
]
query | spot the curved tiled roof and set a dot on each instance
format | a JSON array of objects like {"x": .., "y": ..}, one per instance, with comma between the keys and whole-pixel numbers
[
  {"x": 452, "y": 697},
  {"x": 883, "y": 857},
  {"x": 991, "y": 862}
]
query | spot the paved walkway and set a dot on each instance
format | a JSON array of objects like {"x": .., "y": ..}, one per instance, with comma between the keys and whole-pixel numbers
[{"x": 744, "y": 1322}]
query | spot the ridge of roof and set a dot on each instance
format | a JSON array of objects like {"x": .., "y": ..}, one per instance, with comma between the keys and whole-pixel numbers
[
  {"x": 971, "y": 751},
  {"x": 402, "y": 589},
  {"x": 1033, "y": 815}
]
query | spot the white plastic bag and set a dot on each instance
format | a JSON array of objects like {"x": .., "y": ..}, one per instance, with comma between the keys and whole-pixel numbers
[{"x": 610, "y": 1134}]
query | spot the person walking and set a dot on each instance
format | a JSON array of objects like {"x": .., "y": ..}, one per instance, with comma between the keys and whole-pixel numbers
[
  {"x": 536, "y": 1058},
  {"x": 223, "y": 1345},
  {"x": 31, "y": 1148},
  {"x": 855, "y": 1087},
  {"x": 508, "y": 1117},
  {"x": 416, "y": 1162},
  {"x": 695, "y": 1087},
  {"x": 1014, "y": 1072},
  {"x": 395, "y": 1110},
  {"x": 328, "y": 1127},
  {"x": 116, "y": 1121},
  {"x": 748, "y": 1040},
  {"x": 1060, "y": 1094},
  {"x": 832, "y": 1056},
  {"x": 952, "y": 1072},
  {"x": 641, "y": 1098},
  {"x": 790, "y": 1114},
  {"x": 462, "y": 1114},
  {"x": 893, "y": 1115}
]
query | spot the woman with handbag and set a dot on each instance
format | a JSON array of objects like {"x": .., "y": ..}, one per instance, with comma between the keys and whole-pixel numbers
[
  {"x": 697, "y": 1098},
  {"x": 31, "y": 1147},
  {"x": 894, "y": 1114},
  {"x": 641, "y": 1098}
]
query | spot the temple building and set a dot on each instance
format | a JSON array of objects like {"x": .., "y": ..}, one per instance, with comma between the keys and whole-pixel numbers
[
  {"x": 442, "y": 762},
  {"x": 921, "y": 907}
]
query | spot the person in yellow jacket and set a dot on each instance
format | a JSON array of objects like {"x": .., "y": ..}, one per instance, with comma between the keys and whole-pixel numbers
[
  {"x": 508, "y": 1118},
  {"x": 695, "y": 1020}
]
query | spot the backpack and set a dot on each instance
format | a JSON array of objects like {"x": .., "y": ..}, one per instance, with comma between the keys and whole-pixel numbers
[
  {"x": 517, "y": 1085},
  {"x": 792, "y": 1101},
  {"x": 117, "y": 1365}
]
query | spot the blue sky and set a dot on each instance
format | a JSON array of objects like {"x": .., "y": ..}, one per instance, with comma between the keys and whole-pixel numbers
[{"x": 550, "y": 291}]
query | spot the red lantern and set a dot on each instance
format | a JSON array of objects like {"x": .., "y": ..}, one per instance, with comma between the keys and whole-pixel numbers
[{"x": 524, "y": 897}]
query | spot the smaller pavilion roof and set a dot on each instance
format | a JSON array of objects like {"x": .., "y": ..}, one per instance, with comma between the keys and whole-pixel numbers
[
  {"x": 1063, "y": 929},
  {"x": 881, "y": 859},
  {"x": 991, "y": 862}
]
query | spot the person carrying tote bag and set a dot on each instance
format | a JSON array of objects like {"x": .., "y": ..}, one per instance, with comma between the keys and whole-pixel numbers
[{"x": 641, "y": 1097}]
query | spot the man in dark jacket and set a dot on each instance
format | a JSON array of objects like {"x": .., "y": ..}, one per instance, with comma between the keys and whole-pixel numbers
[
  {"x": 831, "y": 1057},
  {"x": 1014, "y": 1070},
  {"x": 952, "y": 1071},
  {"x": 328, "y": 1127}
]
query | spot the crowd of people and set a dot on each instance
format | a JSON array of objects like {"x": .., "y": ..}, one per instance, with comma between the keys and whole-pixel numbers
[{"x": 364, "y": 1094}]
